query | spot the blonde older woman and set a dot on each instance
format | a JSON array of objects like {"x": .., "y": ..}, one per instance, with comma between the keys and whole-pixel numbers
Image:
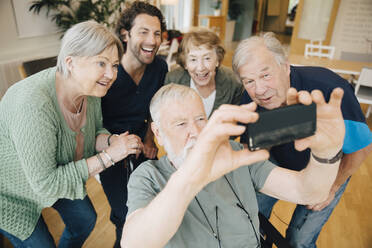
[
  {"x": 50, "y": 133},
  {"x": 200, "y": 57}
]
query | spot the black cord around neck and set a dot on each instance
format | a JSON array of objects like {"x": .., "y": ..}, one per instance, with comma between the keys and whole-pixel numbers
[
  {"x": 215, "y": 234},
  {"x": 241, "y": 206}
]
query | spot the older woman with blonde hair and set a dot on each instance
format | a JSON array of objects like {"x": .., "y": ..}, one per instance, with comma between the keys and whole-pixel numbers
[
  {"x": 200, "y": 56},
  {"x": 52, "y": 140}
]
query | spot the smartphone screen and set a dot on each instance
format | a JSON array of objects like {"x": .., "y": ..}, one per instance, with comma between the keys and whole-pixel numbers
[{"x": 281, "y": 125}]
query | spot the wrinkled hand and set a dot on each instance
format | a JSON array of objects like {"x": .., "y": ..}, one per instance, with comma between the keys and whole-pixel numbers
[
  {"x": 150, "y": 150},
  {"x": 321, "y": 205},
  {"x": 212, "y": 156},
  {"x": 124, "y": 145},
  {"x": 330, "y": 132}
]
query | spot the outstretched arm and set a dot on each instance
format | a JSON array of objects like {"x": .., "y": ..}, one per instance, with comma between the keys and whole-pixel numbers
[
  {"x": 312, "y": 184},
  {"x": 211, "y": 157}
]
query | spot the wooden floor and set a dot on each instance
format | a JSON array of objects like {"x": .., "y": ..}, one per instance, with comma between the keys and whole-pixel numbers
[{"x": 103, "y": 234}]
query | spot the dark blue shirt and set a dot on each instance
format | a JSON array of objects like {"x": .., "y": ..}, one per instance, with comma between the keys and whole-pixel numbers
[
  {"x": 126, "y": 105},
  {"x": 307, "y": 78}
]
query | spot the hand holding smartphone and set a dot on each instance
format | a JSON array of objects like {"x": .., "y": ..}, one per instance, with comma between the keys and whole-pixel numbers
[{"x": 281, "y": 125}]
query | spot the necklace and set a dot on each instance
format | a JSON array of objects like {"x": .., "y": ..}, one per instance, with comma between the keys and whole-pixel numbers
[
  {"x": 78, "y": 109},
  {"x": 63, "y": 95}
]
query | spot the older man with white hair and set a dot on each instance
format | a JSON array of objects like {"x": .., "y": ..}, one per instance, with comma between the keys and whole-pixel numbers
[
  {"x": 266, "y": 75},
  {"x": 203, "y": 193}
]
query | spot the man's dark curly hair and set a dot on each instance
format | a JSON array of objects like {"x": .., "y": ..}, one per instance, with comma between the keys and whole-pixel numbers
[{"x": 126, "y": 20}]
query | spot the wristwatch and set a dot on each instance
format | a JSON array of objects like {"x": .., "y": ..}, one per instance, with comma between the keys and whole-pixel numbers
[{"x": 333, "y": 160}]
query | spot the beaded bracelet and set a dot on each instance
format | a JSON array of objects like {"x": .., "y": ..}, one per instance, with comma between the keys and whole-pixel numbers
[
  {"x": 108, "y": 157},
  {"x": 101, "y": 161}
]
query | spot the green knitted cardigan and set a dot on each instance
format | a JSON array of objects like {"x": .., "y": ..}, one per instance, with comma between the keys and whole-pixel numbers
[{"x": 37, "y": 151}]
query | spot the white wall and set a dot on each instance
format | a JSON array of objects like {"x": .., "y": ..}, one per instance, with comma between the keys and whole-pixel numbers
[
  {"x": 13, "y": 48},
  {"x": 352, "y": 34},
  {"x": 315, "y": 19}
]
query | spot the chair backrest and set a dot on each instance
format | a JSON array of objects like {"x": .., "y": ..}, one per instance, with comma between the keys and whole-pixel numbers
[
  {"x": 31, "y": 67},
  {"x": 363, "y": 88},
  {"x": 365, "y": 79},
  {"x": 316, "y": 49},
  {"x": 172, "y": 50}
]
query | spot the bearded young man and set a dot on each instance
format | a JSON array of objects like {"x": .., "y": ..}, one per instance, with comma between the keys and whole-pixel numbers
[{"x": 125, "y": 108}]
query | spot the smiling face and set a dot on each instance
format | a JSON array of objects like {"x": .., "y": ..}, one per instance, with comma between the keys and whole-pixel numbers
[
  {"x": 264, "y": 79},
  {"x": 180, "y": 125},
  {"x": 201, "y": 63},
  {"x": 144, "y": 38},
  {"x": 94, "y": 75}
]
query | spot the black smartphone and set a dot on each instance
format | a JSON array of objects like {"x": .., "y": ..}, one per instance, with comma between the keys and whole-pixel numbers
[{"x": 281, "y": 125}]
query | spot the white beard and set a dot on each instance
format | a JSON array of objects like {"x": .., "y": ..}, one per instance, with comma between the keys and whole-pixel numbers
[{"x": 178, "y": 160}]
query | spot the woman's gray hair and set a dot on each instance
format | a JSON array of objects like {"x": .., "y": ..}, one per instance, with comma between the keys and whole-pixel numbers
[
  {"x": 86, "y": 39},
  {"x": 164, "y": 94},
  {"x": 245, "y": 49}
]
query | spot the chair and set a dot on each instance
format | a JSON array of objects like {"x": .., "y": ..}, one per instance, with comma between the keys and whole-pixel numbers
[
  {"x": 316, "y": 49},
  {"x": 31, "y": 67},
  {"x": 363, "y": 88},
  {"x": 171, "y": 61}
]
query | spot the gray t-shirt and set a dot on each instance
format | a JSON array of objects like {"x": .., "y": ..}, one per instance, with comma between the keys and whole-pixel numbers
[{"x": 217, "y": 200}]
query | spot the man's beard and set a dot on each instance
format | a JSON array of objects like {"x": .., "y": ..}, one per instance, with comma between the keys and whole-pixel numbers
[
  {"x": 178, "y": 160},
  {"x": 136, "y": 51}
]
